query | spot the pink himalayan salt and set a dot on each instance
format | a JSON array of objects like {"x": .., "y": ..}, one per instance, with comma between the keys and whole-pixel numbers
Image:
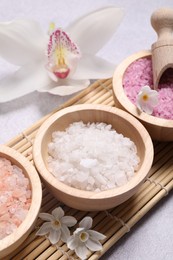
[
  {"x": 15, "y": 197},
  {"x": 139, "y": 74}
]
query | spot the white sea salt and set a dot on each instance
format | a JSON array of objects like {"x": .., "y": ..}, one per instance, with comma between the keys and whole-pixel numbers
[{"x": 92, "y": 157}]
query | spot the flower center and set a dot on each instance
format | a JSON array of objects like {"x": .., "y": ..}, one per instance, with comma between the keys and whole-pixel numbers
[
  {"x": 61, "y": 70},
  {"x": 56, "y": 224},
  {"x": 62, "y": 54},
  {"x": 84, "y": 236},
  {"x": 145, "y": 97}
]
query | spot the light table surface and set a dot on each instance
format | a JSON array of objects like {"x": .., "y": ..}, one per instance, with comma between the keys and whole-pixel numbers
[{"x": 152, "y": 237}]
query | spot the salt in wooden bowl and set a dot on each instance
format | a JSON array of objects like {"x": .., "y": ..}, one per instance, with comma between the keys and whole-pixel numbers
[
  {"x": 15, "y": 239},
  {"x": 123, "y": 123},
  {"x": 160, "y": 129}
]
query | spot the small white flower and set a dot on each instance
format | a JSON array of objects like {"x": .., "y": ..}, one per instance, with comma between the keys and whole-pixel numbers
[
  {"x": 147, "y": 99},
  {"x": 84, "y": 238},
  {"x": 56, "y": 227}
]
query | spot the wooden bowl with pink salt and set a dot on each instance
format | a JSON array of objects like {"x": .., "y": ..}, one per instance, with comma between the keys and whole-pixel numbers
[
  {"x": 129, "y": 77},
  {"x": 92, "y": 157},
  {"x": 20, "y": 199}
]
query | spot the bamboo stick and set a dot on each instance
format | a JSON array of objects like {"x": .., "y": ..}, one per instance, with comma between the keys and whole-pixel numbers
[
  {"x": 25, "y": 140},
  {"x": 40, "y": 248},
  {"x": 27, "y": 152},
  {"x": 158, "y": 147},
  {"x": 97, "y": 93},
  {"x": 108, "y": 101},
  {"x": 111, "y": 103},
  {"x": 87, "y": 98},
  {"x": 102, "y": 98},
  {"x": 100, "y": 93},
  {"x": 26, "y": 250},
  {"x": 160, "y": 150},
  {"x": 46, "y": 253}
]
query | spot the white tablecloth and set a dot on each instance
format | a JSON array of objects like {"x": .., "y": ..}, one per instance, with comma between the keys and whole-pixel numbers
[{"x": 152, "y": 237}]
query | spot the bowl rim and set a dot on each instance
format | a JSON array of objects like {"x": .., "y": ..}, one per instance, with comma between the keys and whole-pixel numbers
[
  {"x": 51, "y": 180},
  {"x": 124, "y": 100},
  {"x": 36, "y": 198}
]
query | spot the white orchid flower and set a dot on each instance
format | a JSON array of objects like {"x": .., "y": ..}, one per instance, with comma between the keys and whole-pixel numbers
[
  {"x": 84, "y": 238},
  {"x": 70, "y": 61},
  {"x": 147, "y": 99},
  {"x": 56, "y": 227}
]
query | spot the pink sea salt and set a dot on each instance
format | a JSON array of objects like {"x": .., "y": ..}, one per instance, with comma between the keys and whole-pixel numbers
[
  {"x": 15, "y": 197},
  {"x": 139, "y": 74}
]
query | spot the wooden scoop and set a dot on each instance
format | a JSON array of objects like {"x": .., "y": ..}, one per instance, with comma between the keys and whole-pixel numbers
[{"x": 162, "y": 50}]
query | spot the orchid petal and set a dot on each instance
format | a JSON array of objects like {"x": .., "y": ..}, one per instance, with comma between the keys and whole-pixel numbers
[
  {"x": 65, "y": 233},
  {"x": 96, "y": 235},
  {"x": 22, "y": 82},
  {"x": 54, "y": 236},
  {"x": 44, "y": 229},
  {"x": 46, "y": 216},
  {"x": 86, "y": 223},
  {"x": 93, "y": 245},
  {"x": 81, "y": 251},
  {"x": 92, "y": 31},
  {"x": 69, "y": 221},
  {"x": 68, "y": 87},
  {"x": 147, "y": 109},
  {"x": 58, "y": 213},
  {"x": 21, "y": 41},
  {"x": 52, "y": 76},
  {"x": 147, "y": 99},
  {"x": 154, "y": 99},
  {"x": 72, "y": 242},
  {"x": 78, "y": 231},
  {"x": 93, "y": 67}
]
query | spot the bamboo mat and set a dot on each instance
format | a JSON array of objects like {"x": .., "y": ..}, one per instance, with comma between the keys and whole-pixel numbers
[{"x": 113, "y": 223}]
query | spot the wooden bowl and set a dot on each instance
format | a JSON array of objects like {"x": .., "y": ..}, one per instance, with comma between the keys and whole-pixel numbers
[
  {"x": 160, "y": 129},
  {"x": 14, "y": 240},
  {"x": 123, "y": 123}
]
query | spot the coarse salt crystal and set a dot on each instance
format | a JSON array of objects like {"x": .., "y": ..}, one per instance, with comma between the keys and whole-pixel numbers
[
  {"x": 88, "y": 163},
  {"x": 92, "y": 157},
  {"x": 15, "y": 197}
]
